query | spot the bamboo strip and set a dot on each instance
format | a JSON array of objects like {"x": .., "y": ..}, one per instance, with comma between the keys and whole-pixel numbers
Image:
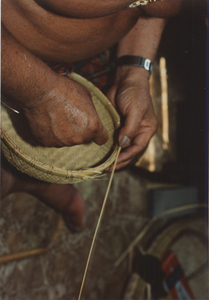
[
  {"x": 21, "y": 255},
  {"x": 98, "y": 224}
]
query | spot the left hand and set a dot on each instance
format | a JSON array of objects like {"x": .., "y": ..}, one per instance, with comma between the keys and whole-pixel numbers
[{"x": 131, "y": 97}]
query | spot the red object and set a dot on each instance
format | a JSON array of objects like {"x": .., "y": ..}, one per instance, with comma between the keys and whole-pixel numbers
[
  {"x": 95, "y": 69},
  {"x": 175, "y": 282}
]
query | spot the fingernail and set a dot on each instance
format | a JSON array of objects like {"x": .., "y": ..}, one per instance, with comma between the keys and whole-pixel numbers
[{"x": 125, "y": 142}]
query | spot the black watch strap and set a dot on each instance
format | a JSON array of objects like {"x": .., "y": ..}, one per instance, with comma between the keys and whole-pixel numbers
[{"x": 137, "y": 61}]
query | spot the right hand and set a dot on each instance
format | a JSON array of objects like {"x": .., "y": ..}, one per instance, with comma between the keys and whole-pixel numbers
[{"x": 66, "y": 116}]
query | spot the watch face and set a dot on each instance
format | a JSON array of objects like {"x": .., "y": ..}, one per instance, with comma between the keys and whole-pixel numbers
[{"x": 147, "y": 65}]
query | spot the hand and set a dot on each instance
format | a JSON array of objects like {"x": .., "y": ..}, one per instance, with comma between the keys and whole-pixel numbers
[
  {"x": 130, "y": 95},
  {"x": 66, "y": 116}
]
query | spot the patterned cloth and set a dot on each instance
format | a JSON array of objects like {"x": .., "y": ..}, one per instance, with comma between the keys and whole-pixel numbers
[{"x": 98, "y": 69}]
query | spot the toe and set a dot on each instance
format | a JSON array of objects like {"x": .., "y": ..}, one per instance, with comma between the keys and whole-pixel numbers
[{"x": 74, "y": 213}]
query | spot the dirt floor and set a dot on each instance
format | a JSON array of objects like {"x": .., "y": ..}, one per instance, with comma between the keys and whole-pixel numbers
[{"x": 25, "y": 223}]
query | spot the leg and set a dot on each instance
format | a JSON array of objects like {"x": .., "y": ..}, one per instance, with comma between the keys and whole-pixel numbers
[{"x": 65, "y": 199}]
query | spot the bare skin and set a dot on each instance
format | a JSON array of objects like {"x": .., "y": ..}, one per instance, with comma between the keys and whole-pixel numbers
[
  {"x": 63, "y": 198},
  {"x": 59, "y": 111}
]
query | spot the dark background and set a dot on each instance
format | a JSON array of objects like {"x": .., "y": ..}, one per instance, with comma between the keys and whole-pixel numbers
[{"x": 184, "y": 45}]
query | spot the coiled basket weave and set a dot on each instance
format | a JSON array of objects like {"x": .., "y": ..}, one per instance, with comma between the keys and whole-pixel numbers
[{"x": 60, "y": 165}]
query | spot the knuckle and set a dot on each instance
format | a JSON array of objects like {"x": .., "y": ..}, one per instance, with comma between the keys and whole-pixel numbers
[
  {"x": 76, "y": 140},
  {"x": 155, "y": 124},
  {"x": 94, "y": 125}
]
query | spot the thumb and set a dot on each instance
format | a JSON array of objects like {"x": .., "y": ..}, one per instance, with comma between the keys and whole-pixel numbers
[{"x": 130, "y": 128}]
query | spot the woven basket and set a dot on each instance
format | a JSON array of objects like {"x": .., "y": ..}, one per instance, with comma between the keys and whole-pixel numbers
[{"x": 60, "y": 165}]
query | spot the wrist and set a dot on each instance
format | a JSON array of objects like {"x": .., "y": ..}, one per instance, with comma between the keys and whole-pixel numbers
[
  {"x": 132, "y": 74},
  {"x": 135, "y": 61},
  {"x": 45, "y": 93}
]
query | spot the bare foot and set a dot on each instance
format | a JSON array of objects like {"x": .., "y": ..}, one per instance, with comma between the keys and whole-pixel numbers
[{"x": 64, "y": 199}]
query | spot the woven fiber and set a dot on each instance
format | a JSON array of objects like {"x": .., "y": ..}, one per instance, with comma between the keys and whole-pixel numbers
[{"x": 60, "y": 165}]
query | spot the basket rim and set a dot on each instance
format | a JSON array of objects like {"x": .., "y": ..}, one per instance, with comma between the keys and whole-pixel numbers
[
  {"x": 55, "y": 170},
  {"x": 90, "y": 86},
  {"x": 87, "y": 172}
]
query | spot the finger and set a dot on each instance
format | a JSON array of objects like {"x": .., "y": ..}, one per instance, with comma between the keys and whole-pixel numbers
[
  {"x": 129, "y": 153},
  {"x": 138, "y": 146},
  {"x": 111, "y": 94},
  {"x": 130, "y": 129},
  {"x": 122, "y": 164},
  {"x": 119, "y": 165},
  {"x": 50, "y": 142},
  {"x": 101, "y": 137}
]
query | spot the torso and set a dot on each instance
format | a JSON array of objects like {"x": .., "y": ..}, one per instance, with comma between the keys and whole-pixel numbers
[{"x": 52, "y": 37}]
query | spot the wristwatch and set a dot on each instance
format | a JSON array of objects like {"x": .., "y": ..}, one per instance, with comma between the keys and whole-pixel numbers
[{"x": 136, "y": 61}]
